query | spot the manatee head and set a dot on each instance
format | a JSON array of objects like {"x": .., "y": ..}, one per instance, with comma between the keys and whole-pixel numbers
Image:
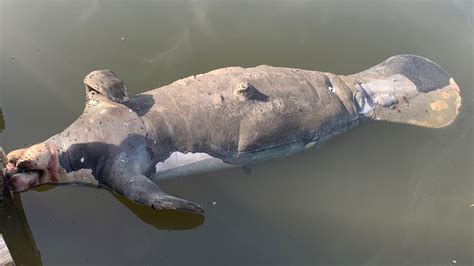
[{"x": 33, "y": 166}]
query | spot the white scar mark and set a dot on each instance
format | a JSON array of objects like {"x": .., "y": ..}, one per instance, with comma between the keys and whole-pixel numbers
[
  {"x": 179, "y": 164},
  {"x": 310, "y": 144}
]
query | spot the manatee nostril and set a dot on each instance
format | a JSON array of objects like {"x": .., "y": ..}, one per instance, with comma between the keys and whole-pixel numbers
[
  {"x": 24, "y": 165},
  {"x": 13, "y": 160}
]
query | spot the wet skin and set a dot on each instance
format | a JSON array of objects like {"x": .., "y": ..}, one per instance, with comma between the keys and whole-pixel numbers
[{"x": 225, "y": 118}]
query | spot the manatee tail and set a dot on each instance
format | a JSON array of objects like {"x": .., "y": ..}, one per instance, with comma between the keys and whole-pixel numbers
[{"x": 407, "y": 89}]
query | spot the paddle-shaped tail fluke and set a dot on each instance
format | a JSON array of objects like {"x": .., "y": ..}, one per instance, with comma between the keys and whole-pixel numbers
[{"x": 408, "y": 89}]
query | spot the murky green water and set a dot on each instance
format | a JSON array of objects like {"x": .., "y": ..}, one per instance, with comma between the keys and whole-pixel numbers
[{"x": 381, "y": 194}]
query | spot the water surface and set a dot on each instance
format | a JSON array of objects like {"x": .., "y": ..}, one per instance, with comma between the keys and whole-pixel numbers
[{"x": 380, "y": 194}]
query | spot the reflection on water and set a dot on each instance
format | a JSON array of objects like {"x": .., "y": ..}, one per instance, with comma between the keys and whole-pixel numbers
[
  {"x": 17, "y": 235},
  {"x": 381, "y": 194},
  {"x": 160, "y": 219},
  {"x": 14, "y": 227},
  {"x": 163, "y": 219},
  {"x": 16, "y": 231}
]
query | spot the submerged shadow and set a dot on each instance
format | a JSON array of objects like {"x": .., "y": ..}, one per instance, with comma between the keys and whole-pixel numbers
[
  {"x": 163, "y": 219},
  {"x": 160, "y": 219}
]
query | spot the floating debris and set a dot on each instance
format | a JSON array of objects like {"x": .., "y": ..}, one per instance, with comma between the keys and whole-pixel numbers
[
  {"x": 454, "y": 261},
  {"x": 12, "y": 57},
  {"x": 214, "y": 203},
  {"x": 82, "y": 159},
  {"x": 122, "y": 38}
]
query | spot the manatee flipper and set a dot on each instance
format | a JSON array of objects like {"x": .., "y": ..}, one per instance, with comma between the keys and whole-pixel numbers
[
  {"x": 105, "y": 82},
  {"x": 142, "y": 190},
  {"x": 407, "y": 89}
]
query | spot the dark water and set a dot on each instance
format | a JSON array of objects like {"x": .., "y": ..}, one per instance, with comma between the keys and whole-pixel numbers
[{"x": 383, "y": 194}]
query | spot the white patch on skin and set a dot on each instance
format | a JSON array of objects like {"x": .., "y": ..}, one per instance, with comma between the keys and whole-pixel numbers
[
  {"x": 180, "y": 164},
  {"x": 385, "y": 92},
  {"x": 310, "y": 144},
  {"x": 364, "y": 101},
  {"x": 81, "y": 176},
  {"x": 394, "y": 84}
]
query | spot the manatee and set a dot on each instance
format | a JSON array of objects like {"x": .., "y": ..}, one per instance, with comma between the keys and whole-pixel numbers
[{"x": 225, "y": 118}]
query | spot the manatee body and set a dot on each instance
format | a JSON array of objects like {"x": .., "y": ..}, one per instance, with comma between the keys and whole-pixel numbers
[
  {"x": 228, "y": 117},
  {"x": 238, "y": 116}
]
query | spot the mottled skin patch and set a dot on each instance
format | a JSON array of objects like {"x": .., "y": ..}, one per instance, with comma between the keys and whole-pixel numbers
[
  {"x": 445, "y": 95},
  {"x": 237, "y": 116},
  {"x": 439, "y": 105}
]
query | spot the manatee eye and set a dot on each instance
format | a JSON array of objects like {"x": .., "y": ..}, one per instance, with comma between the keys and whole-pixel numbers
[{"x": 363, "y": 101}]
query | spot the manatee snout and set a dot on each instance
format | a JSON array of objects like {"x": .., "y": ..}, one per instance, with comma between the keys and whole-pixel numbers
[{"x": 30, "y": 167}]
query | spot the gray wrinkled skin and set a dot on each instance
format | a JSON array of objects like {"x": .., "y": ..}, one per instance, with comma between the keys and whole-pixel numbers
[
  {"x": 228, "y": 117},
  {"x": 280, "y": 112}
]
